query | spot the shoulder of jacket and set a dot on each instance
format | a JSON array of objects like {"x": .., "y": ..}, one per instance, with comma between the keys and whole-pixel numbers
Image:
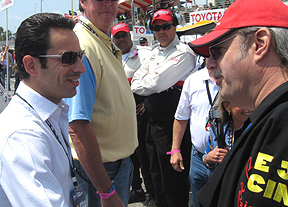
[
  {"x": 155, "y": 46},
  {"x": 182, "y": 47}
]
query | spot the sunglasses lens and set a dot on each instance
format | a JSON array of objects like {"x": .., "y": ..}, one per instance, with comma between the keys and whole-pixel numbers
[
  {"x": 166, "y": 26},
  {"x": 69, "y": 58},
  {"x": 118, "y": 36},
  {"x": 157, "y": 28}
]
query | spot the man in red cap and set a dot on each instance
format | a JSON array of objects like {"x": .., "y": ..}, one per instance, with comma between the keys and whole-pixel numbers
[
  {"x": 248, "y": 51},
  {"x": 122, "y": 38},
  {"x": 161, "y": 79}
]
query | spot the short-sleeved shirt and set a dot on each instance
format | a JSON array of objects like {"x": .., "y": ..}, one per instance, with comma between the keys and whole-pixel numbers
[{"x": 194, "y": 105}]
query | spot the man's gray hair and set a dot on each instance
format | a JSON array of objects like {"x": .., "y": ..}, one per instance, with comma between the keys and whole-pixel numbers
[{"x": 279, "y": 41}]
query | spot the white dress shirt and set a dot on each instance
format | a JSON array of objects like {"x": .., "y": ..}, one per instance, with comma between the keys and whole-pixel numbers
[
  {"x": 34, "y": 168},
  {"x": 194, "y": 105}
]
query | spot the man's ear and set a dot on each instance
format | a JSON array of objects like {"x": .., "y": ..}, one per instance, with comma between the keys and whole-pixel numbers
[
  {"x": 262, "y": 43},
  {"x": 31, "y": 65},
  {"x": 82, "y": 3}
]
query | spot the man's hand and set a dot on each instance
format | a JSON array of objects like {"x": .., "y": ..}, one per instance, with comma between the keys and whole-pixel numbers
[
  {"x": 140, "y": 109},
  {"x": 114, "y": 200},
  {"x": 176, "y": 161}
]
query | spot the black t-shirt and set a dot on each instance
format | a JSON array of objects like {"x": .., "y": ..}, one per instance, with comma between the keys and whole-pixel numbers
[{"x": 255, "y": 172}]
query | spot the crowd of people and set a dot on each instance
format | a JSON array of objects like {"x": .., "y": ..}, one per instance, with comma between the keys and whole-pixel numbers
[
  {"x": 5, "y": 78},
  {"x": 148, "y": 122}
]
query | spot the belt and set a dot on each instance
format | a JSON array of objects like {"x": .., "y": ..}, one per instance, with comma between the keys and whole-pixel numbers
[
  {"x": 179, "y": 83},
  {"x": 199, "y": 154}
]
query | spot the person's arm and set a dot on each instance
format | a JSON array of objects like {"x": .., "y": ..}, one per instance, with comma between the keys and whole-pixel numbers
[
  {"x": 88, "y": 152},
  {"x": 176, "y": 159},
  {"x": 148, "y": 81}
]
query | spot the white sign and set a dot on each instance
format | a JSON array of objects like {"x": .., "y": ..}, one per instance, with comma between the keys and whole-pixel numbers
[
  {"x": 5, "y": 4},
  {"x": 139, "y": 30},
  {"x": 209, "y": 15}
]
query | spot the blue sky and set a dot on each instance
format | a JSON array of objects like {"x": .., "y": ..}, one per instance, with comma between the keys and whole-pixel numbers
[{"x": 25, "y": 8}]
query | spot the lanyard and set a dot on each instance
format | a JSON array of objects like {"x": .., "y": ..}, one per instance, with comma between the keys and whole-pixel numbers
[
  {"x": 56, "y": 136},
  {"x": 91, "y": 30},
  {"x": 209, "y": 94}
]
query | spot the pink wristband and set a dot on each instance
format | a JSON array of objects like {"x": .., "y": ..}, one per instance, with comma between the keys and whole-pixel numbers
[
  {"x": 107, "y": 195},
  {"x": 172, "y": 152}
]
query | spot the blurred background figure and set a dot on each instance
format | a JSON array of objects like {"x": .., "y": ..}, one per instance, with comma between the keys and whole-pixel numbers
[
  {"x": 17, "y": 76},
  {"x": 4, "y": 53},
  {"x": 143, "y": 41}
]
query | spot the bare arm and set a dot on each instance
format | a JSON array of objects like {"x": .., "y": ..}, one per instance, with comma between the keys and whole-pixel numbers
[
  {"x": 176, "y": 159},
  {"x": 88, "y": 152}
]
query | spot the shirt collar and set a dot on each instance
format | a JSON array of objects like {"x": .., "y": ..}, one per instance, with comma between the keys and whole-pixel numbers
[
  {"x": 42, "y": 106},
  {"x": 276, "y": 97},
  {"x": 206, "y": 76},
  {"x": 102, "y": 36}
]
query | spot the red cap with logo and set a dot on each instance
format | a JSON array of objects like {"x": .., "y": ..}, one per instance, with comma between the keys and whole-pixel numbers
[
  {"x": 162, "y": 14},
  {"x": 121, "y": 27},
  {"x": 244, "y": 13}
]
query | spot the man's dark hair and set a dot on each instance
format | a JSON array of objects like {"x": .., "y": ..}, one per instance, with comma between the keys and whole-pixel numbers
[{"x": 33, "y": 37}]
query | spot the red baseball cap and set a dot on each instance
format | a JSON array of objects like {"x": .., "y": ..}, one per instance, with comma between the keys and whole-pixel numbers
[
  {"x": 121, "y": 27},
  {"x": 162, "y": 14},
  {"x": 244, "y": 13}
]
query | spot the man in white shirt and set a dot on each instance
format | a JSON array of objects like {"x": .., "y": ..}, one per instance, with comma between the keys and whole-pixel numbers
[
  {"x": 35, "y": 155},
  {"x": 194, "y": 104},
  {"x": 160, "y": 78}
]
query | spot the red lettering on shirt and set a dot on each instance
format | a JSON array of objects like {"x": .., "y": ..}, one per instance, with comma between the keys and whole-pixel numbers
[
  {"x": 240, "y": 193},
  {"x": 248, "y": 167}
]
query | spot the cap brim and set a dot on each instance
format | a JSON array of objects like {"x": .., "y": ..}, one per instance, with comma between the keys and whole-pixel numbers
[{"x": 202, "y": 44}]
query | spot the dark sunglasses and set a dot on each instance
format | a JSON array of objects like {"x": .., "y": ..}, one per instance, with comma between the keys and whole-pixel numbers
[
  {"x": 165, "y": 27},
  {"x": 118, "y": 36},
  {"x": 67, "y": 57}
]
